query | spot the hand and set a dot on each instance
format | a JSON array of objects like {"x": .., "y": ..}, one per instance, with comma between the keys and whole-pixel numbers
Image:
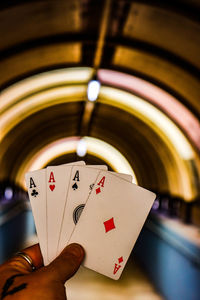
[{"x": 19, "y": 282}]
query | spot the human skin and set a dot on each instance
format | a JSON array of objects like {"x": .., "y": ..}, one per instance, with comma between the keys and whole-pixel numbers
[{"x": 19, "y": 282}]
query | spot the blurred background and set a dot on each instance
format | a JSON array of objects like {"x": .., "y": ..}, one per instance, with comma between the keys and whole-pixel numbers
[{"x": 108, "y": 82}]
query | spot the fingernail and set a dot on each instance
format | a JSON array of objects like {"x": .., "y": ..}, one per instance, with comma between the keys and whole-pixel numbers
[{"x": 76, "y": 250}]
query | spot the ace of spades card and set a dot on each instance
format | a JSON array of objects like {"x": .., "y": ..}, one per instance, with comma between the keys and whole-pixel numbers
[{"x": 79, "y": 189}]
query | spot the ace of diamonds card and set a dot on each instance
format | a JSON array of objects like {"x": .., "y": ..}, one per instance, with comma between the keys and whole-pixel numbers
[{"x": 111, "y": 222}]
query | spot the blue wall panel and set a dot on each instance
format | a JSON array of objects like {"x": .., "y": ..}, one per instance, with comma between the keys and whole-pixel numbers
[
  {"x": 14, "y": 233},
  {"x": 172, "y": 262}
]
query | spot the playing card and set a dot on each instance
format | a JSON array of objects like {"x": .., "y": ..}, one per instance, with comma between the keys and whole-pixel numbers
[
  {"x": 57, "y": 180},
  {"x": 111, "y": 222},
  {"x": 36, "y": 185},
  {"x": 81, "y": 183},
  {"x": 126, "y": 177},
  {"x": 100, "y": 167}
]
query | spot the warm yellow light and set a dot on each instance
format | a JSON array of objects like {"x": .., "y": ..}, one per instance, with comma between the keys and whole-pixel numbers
[
  {"x": 19, "y": 101},
  {"x": 160, "y": 98},
  {"x": 110, "y": 155},
  {"x": 66, "y": 85},
  {"x": 37, "y": 83},
  {"x": 95, "y": 147},
  {"x": 160, "y": 122},
  {"x": 28, "y": 106}
]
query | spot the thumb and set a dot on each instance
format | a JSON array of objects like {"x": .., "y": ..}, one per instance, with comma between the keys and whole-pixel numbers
[{"x": 66, "y": 264}]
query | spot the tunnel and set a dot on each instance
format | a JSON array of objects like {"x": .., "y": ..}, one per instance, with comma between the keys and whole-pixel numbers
[{"x": 144, "y": 122}]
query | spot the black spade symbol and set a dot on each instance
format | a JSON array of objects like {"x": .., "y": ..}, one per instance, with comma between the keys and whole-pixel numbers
[{"x": 74, "y": 186}]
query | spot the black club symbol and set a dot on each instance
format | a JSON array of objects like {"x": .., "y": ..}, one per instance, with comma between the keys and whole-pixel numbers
[{"x": 34, "y": 193}]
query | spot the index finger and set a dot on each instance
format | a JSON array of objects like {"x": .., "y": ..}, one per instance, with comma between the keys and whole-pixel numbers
[
  {"x": 20, "y": 265},
  {"x": 35, "y": 254}
]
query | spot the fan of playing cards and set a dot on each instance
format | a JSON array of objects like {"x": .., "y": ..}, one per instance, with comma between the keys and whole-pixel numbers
[{"x": 101, "y": 210}]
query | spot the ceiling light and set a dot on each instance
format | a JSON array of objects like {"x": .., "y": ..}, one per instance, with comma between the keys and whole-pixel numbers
[
  {"x": 8, "y": 194},
  {"x": 81, "y": 149},
  {"x": 93, "y": 90}
]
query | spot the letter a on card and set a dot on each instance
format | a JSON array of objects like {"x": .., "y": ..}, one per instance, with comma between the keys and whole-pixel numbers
[{"x": 100, "y": 183}]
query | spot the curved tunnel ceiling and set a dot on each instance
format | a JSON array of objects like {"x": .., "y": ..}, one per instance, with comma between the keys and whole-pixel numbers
[
  {"x": 150, "y": 50},
  {"x": 51, "y": 111}
]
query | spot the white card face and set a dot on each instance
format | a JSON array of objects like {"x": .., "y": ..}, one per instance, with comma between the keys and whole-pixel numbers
[
  {"x": 126, "y": 177},
  {"x": 36, "y": 184},
  {"x": 57, "y": 180},
  {"x": 82, "y": 179},
  {"x": 100, "y": 167},
  {"x": 80, "y": 185},
  {"x": 111, "y": 222}
]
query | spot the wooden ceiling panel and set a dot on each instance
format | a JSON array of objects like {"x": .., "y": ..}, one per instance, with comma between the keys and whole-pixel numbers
[
  {"x": 32, "y": 20},
  {"x": 40, "y": 58},
  {"x": 166, "y": 29},
  {"x": 162, "y": 72}
]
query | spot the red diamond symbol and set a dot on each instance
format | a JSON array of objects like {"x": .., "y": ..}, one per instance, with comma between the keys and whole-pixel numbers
[
  {"x": 98, "y": 190},
  {"x": 120, "y": 260},
  {"x": 109, "y": 224}
]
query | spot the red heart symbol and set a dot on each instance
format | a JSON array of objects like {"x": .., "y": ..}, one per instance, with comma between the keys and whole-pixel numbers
[{"x": 52, "y": 187}]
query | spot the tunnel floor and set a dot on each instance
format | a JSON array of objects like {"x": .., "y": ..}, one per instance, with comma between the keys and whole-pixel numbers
[{"x": 133, "y": 285}]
